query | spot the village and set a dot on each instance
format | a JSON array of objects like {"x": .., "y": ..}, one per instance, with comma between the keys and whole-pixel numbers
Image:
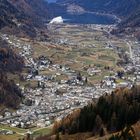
[{"x": 54, "y": 99}]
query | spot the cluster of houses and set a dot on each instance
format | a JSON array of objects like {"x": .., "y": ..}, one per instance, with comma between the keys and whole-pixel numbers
[
  {"x": 6, "y": 132},
  {"x": 54, "y": 100},
  {"x": 51, "y": 103}
]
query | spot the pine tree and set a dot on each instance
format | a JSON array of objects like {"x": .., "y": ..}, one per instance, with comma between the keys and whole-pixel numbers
[
  {"x": 113, "y": 122},
  {"x": 102, "y": 132},
  {"x": 98, "y": 124},
  {"x": 57, "y": 137}
]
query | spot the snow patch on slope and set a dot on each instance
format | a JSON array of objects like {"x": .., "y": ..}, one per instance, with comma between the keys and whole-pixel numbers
[{"x": 57, "y": 20}]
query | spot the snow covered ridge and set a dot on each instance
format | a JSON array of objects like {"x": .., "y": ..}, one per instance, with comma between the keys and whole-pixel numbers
[{"x": 57, "y": 20}]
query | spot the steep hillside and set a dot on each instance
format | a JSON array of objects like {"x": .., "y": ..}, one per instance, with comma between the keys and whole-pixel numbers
[
  {"x": 113, "y": 112},
  {"x": 10, "y": 62},
  {"x": 33, "y": 8},
  {"x": 8, "y": 12},
  {"x": 120, "y": 7},
  {"x": 112, "y": 117},
  {"x": 22, "y": 17},
  {"x": 133, "y": 19},
  {"x": 131, "y": 24},
  {"x": 127, "y": 10},
  {"x": 10, "y": 94}
]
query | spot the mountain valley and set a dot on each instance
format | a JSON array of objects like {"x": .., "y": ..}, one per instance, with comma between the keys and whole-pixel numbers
[{"x": 76, "y": 80}]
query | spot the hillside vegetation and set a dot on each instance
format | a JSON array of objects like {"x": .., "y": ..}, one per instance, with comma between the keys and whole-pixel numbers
[
  {"x": 23, "y": 17},
  {"x": 110, "y": 114},
  {"x": 10, "y": 62},
  {"x": 10, "y": 94}
]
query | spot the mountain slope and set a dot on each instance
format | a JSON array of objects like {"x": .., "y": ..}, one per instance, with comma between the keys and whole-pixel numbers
[
  {"x": 10, "y": 94},
  {"x": 134, "y": 19},
  {"x": 33, "y": 8},
  {"x": 112, "y": 113},
  {"x": 22, "y": 17},
  {"x": 7, "y": 12},
  {"x": 10, "y": 62},
  {"x": 120, "y": 7},
  {"x": 127, "y": 10},
  {"x": 130, "y": 25}
]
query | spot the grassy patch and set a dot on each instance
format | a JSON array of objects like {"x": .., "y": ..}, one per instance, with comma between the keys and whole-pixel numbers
[
  {"x": 106, "y": 57},
  {"x": 15, "y": 129},
  {"x": 11, "y": 137},
  {"x": 41, "y": 132}
]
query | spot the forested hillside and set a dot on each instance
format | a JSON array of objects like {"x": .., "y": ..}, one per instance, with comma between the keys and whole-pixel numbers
[
  {"x": 10, "y": 62},
  {"x": 23, "y": 17},
  {"x": 10, "y": 94},
  {"x": 112, "y": 113}
]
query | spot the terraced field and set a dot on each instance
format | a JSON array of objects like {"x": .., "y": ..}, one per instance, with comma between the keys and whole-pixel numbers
[{"x": 80, "y": 46}]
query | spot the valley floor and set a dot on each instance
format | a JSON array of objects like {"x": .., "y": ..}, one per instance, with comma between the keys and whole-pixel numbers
[{"x": 76, "y": 65}]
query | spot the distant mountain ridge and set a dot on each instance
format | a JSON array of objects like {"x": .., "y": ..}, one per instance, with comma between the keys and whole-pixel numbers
[
  {"x": 127, "y": 10},
  {"x": 25, "y": 17},
  {"x": 119, "y": 7}
]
